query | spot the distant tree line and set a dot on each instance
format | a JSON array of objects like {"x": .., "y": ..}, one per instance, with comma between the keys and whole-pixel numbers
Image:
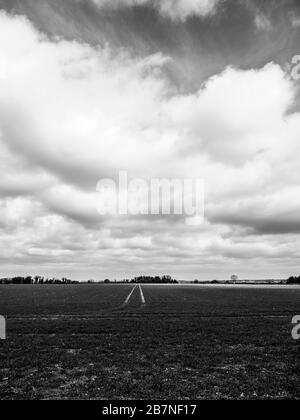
[
  {"x": 156, "y": 279},
  {"x": 293, "y": 280},
  {"x": 141, "y": 279},
  {"x": 146, "y": 279},
  {"x": 43, "y": 280},
  {"x": 35, "y": 280}
]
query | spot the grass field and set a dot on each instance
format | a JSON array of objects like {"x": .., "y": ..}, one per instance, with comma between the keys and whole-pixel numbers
[{"x": 83, "y": 341}]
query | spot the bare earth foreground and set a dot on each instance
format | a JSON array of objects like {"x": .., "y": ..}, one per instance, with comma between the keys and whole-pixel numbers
[{"x": 92, "y": 342}]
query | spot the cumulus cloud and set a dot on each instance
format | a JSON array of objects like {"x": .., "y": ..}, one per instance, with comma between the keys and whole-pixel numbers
[
  {"x": 230, "y": 119},
  {"x": 177, "y": 10},
  {"x": 77, "y": 123},
  {"x": 71, "y": 114}
]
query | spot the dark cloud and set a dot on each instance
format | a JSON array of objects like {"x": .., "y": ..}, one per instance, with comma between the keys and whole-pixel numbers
[
  {"x": 260, "y": 225},
  {"x": 199, "y": 47}
]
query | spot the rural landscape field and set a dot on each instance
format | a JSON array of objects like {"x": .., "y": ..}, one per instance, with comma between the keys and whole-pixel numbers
[{"x": 149, "y": 341}]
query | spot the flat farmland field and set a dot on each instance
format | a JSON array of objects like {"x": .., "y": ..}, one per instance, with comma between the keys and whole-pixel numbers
[{"x": 149, "y": 342}]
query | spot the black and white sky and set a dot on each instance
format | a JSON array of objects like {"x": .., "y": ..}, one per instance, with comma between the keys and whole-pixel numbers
[{"x": 160, "y": 88}]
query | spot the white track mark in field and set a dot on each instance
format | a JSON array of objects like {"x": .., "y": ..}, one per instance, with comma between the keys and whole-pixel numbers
[
  {"x": 142, "y": 295},
  {"x": 129, "y": 296}
]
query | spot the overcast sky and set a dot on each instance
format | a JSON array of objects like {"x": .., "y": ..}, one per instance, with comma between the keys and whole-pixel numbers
[{"x": 160, "y": 88}]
